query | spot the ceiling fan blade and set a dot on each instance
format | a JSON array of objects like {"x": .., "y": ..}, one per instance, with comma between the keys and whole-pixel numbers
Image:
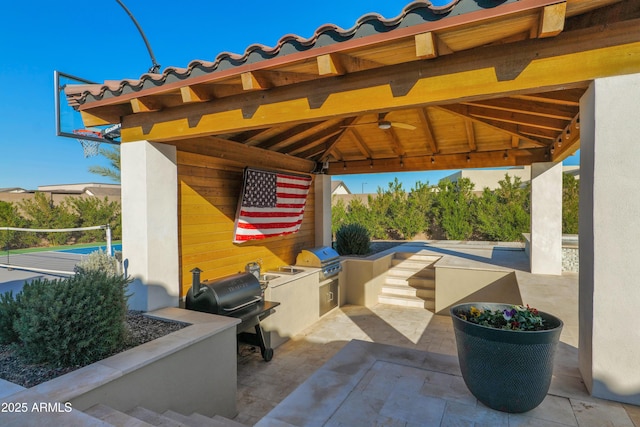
[{"x": 403, "y": 126}]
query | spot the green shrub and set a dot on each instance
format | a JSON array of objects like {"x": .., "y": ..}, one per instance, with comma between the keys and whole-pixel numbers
[
  {"x": 98, "y": 261},
  {"x": 8, "y": 315},
  {"x": 73, "y": 321},
  {"x": 353, "y": 239}
]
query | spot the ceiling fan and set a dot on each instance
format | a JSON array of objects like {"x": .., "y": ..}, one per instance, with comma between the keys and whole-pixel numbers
[{"x": 384, "y": 124}]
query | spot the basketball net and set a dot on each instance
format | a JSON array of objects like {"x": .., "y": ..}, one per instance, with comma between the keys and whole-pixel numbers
[{"x": 90, "y": 147}]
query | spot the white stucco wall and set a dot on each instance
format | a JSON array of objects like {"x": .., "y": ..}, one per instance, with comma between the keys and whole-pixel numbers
[
  {"x": 546, "y": 218},
  {"x": 150, "y": 224},
  {"x": 609, "y": 342}
]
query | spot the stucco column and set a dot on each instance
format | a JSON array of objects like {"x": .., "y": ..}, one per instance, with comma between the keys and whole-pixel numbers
[
  {"x": 150, "y": 223},
  {"x": 322, "y": 188},
  {"x": 546, "y": 218},
  {"x": 609, "y": 341}
]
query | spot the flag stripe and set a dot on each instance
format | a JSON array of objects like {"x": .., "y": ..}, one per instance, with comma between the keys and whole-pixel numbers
[{"x": 271, "y": 204}]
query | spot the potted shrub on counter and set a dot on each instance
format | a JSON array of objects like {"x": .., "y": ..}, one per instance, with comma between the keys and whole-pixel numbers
[{"x": 506, "y": 353}]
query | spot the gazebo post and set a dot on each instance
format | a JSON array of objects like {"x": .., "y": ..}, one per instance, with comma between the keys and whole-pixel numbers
[
  {"x": 150, "y": 224},
  {"x": 546, "y": 218},
  {"x": 609, "y": 343}
]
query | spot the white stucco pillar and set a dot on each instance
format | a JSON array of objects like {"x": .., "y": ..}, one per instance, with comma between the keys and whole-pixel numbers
[
  {"x": 609, "y": 341},
  {"x": 150, "y": 223},
  {"x": 546, "y": 218},
  {"x": 322, "y": 188}
]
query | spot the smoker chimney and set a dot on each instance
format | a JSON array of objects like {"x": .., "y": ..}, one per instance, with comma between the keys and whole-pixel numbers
[{"x": 195, "y": 286}]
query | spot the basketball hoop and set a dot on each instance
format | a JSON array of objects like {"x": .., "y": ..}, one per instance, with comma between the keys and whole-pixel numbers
[{"x": 89, "y": 146}]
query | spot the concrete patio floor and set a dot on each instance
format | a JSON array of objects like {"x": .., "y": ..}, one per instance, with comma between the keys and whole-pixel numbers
[{"x": 410, "y": 375}]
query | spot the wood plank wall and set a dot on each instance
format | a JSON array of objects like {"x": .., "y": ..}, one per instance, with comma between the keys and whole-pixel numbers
[{"x": 208, "y": 192}]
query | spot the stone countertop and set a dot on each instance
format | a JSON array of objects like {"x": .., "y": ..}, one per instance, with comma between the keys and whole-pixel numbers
[{"x": 284, "y": 278}]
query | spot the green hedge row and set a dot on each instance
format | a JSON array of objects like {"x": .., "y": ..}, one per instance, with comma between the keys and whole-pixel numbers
[
  {"x": 40, "y": 212},
  {"x": 452, "y": 211}
]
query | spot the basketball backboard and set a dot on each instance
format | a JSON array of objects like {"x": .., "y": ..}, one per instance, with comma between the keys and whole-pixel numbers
[{"x": 69, "y": 122}]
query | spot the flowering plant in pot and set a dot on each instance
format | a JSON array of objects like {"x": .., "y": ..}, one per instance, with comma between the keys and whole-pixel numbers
[{"x": 506, "y": 353}]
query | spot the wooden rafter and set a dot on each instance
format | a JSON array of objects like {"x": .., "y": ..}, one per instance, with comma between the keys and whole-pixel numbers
[
  {"x": 428, "y": 130},
  {"x": 471, "y": 135},
  {"x": 511, "y": 129},
  {"x": 361, "y": 144}
]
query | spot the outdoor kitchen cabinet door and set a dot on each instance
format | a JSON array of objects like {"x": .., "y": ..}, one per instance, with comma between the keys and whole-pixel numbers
[{"x": 328, "y": 297}]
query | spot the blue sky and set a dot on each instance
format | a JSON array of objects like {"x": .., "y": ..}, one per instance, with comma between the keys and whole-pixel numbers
[{"x": 96, "y": 40}]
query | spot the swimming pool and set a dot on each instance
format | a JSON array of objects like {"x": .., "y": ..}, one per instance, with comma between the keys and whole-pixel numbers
[{"x": 87, "y": 250}]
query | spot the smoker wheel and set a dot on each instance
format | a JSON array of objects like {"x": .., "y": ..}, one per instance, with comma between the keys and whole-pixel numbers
[{"x": 267, "y": 355}]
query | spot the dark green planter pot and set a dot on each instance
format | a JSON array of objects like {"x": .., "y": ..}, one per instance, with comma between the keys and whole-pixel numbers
[{"x": 509, "y": 371}]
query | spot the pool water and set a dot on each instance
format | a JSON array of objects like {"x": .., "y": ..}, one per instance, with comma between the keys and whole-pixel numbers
[{"x": 89, "y": 249}]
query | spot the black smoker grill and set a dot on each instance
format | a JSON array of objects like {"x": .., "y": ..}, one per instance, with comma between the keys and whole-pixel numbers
[{"x": 238, "y": 296}]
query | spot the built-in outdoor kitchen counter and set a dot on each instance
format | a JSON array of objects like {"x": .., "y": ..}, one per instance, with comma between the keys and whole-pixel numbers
[{"x": 299, "y": 296}]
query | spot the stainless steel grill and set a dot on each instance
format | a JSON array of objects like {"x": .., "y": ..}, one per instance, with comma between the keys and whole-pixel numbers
[
  {"x": 322, "y": 257},
  {"x": 238, "y": 296}
]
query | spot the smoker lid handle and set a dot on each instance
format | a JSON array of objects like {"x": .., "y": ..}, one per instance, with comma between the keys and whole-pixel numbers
[{"x": 255, "y": 299}]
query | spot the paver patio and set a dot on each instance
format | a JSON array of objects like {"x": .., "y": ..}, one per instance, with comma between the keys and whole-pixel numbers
[{"x": 410, "y": 376}]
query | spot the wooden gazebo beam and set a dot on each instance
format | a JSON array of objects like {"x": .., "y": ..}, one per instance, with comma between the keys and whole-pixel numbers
[{"x": 572, "y": 58}]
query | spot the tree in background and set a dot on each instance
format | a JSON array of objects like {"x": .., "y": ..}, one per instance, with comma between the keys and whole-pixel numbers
[
  {"x": 453, "y": 208},
  {"x": 10, "y": 217},
  {"x": 113, "y": 155},
  {"x": 91, "y": 211},
  {"x": 42, "y": 213},
  {"x": 570, "y": 201},
  {"x": 504, "y": 214},
  {"x": 338, "y": 216}
]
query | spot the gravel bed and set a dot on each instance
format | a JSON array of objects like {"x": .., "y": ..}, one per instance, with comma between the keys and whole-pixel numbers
[{"x": 141, "y": 328}]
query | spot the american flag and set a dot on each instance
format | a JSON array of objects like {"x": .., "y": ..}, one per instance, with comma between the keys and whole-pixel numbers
[{"x": 271, "y": 204}]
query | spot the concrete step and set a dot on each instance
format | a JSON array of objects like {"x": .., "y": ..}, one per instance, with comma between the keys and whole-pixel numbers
[
  {"x": 421, "y": 283},
  {"x": 424, "y": 258},
  {"x": 199, "y": 420},
  {"x": 426, "y": 294},
  {"x": 227, "y": 422},
  {"x": 114, "y": 417},
  {"x": 401, "y": 290},
  {"x": 407, "y": 272},
  {"x": 430, "y": 304},
  {"x": 409, "y": 264},
  {"x": 153, "y": 418},
  {"x": 403, "y": 301}
]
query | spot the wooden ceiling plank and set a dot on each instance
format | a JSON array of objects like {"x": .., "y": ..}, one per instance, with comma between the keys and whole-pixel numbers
[
  {"x": 517, "y": 118},
  {"x": 511, "y": 129},
  {"x": 426, "y": 45},
  {"x": 552, "y": 20},
  {"x": 300, "y": 132},
  {"x": 568, "y": 97},
  {"x": 361, "y": 144},
  {"x": 314, "y": 140},
  {"x": 531, "y": 107},
  {"x": 396, "y": 145},
  {"x": 330, "y": 65}
]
